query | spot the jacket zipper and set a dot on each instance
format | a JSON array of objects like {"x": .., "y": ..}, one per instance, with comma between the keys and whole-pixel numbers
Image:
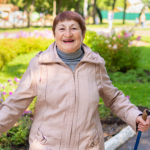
[{"x": 73, "y": 73}]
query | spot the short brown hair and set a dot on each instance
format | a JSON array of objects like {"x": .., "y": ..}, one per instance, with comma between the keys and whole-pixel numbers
[{"x": 69, "y": 15}]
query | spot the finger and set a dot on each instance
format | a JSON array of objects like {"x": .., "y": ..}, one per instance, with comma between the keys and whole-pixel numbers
[
  {"x": 142, "y": 121},
  {"x": 148, "y": 118},
  {"x": 143, "y": 126},
  {"x": 148, "y": 121},
  {"x": 143, "y": 129}
]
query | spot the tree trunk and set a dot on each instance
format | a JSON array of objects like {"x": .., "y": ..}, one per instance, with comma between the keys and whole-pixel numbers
[
  {"x": 113, "y": 6},
  {"x": 99, "y": 14},
  {"x": 77, "y": 6},
  {"x": 94, "y": 11},
  {"x": 30, "y": 12},
  {"x": 124, "y": 14},
  {"x": 43, "y": 20},
  {"x": 59, "y": 6},
  {"x": 85, "y": 9}
]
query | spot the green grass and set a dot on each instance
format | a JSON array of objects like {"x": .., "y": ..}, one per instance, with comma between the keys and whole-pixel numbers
[
  {"x": 11, "y": 30},
  {"x": 115, "y": 24},
  {"x": 16, "y": 67},
  {"x": 144, "y": 62},
  {"x": 139, "y": 93},
  {"x": 145, "y": 38}
]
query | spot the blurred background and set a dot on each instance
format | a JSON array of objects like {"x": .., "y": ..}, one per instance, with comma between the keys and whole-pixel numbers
[
  {"x": 119, "y": 30},
  {"x": 26, "y": 13}
]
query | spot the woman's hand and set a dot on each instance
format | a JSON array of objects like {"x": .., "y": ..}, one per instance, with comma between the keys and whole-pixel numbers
[{"x": 143, "y": 125}]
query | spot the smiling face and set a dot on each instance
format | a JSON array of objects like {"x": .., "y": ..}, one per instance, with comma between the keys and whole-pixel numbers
[{"x": 68, "y": 36}]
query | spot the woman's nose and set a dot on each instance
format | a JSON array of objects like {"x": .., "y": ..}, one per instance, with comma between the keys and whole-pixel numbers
[{"x": 68, "y": 33}]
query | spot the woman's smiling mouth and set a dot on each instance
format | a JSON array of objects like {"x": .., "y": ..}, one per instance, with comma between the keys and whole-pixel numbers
[{"x": 68, "y": 41}]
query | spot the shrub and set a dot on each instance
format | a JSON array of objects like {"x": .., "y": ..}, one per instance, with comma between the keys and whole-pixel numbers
[
  {"x": 10, "y": 48},
  {"x": 115, "y": 49},
  {"x": 138, "y": 75},
  {"x": 19, "y": 133}
]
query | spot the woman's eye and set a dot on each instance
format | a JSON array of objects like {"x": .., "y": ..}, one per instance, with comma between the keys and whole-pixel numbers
[
  {"x": 61, "y": 29},
  {"x": 74, "y": 28}
]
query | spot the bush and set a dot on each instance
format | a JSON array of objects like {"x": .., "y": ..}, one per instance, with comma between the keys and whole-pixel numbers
[
  {"x": 19, "y": 133},
  {"x": 138, "y": 75},
  {"x": 115, "y": 49},
  {"x": 10, "y": 48}
]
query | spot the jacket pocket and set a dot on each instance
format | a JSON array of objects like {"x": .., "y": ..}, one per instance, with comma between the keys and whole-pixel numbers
[
  {"x": 46, "y": 141},
  {"x": 89, "y": 140}
]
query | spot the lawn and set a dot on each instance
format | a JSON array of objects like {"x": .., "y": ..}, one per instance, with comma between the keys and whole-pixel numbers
[
  {"x": 144, "y": 62},
  {"x": 139, "y": 92},
  {"x": 16, "y": 67},
  {"x": 11, "y": 30},
  {"x": 115, "y": 24}
]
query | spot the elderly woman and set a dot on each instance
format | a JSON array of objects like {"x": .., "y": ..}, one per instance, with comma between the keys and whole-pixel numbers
[{"x": 68, "y": 80}]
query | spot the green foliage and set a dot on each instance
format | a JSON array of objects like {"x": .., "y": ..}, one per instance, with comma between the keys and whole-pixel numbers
[
  {"x": 10, "y": 48},
  {"x": 138, "y": 75},
  {"x": 18, "y": 134},
  {"x": 115, "y": 50},
  {"x": 104, "y": 111},
  {"x": 32, "y": 105}
]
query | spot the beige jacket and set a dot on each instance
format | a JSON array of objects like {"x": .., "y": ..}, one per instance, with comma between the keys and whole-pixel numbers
[{"x": 66, "y": 113}]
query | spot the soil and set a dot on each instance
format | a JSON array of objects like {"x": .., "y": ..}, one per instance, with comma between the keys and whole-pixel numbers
[{"x": 111, "y": 126}]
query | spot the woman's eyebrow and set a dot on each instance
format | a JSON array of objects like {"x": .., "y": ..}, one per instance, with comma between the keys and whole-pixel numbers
[{"x": 61, "y": 25}]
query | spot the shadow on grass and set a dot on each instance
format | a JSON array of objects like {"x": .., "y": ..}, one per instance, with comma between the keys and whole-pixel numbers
[{"x": 15, "y": 70}]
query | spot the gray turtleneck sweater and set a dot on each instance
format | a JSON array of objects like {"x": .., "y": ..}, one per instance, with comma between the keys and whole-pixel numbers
[{"x": 71, "y": 59}]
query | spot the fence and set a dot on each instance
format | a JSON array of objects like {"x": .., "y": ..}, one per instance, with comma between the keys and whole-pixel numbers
[{"x": 129, "y": 16}]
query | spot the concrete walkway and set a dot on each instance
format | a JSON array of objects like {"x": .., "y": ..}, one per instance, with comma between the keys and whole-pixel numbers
[{"x": 143, "y": 145}]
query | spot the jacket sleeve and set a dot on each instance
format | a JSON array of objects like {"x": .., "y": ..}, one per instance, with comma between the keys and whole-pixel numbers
[
  {"x": 13, "y": 107},
  {"x": 116, "y": 100}
]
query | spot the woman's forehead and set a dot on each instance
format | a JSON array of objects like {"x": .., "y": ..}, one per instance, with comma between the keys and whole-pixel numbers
[{"x": 67, "y": 23}]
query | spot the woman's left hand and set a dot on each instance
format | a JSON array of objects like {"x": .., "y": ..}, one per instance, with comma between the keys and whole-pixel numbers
[{"x": 143, "y": 125}]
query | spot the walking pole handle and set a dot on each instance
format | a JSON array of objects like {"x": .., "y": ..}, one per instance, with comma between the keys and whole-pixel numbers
[
  {"x": 145, "y": 114},
  {"x": 144, "y": 117}
]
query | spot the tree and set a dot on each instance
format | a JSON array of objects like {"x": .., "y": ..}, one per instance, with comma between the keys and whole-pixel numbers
[
  {"x": 113, "y": 5},
  {"x": 124, "y": 13},
  {"x": 77, "y": 5},
  {"x": 94, "y": 11}
]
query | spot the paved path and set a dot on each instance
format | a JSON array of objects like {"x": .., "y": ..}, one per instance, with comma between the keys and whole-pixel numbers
[{"x": 143, "y": 145}]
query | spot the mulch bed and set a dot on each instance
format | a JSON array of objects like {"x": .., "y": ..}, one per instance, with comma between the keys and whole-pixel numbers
[{"x": 113, "y": 125}]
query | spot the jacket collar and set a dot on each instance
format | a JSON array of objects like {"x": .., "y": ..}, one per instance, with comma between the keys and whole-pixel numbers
[{"x": 51, "y": 56}]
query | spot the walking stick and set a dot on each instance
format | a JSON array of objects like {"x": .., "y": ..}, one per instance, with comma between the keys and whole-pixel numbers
[{"x": 146, "y": 113}]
